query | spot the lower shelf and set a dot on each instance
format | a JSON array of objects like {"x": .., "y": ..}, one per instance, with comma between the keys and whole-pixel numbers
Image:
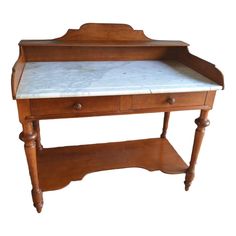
[{"x": 59, "y": 166}]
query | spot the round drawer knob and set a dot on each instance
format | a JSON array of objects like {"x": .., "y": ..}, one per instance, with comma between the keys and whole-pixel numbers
[
  {"x": 77, "y": 106},
  {"x": 171, "y": 101}
]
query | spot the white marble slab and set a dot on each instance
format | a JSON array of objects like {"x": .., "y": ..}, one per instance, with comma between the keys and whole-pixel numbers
[{"x": 75, "y": 79}]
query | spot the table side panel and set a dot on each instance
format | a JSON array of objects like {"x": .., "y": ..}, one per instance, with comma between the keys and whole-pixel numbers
[{"x": 17, "y": 71}]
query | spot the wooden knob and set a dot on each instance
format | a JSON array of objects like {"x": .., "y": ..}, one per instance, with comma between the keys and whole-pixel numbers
[
  {"x": 77, "y": 106},
  {"x": 171, "y": 100}
]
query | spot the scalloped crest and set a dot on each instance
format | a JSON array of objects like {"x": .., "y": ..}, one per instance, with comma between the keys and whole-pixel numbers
[{"x": 104, "y": 32}]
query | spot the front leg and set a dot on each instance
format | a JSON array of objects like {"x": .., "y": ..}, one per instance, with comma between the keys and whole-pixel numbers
[
  {"x": 29, "y": 136},
  {"x": 201, "y": 122}
]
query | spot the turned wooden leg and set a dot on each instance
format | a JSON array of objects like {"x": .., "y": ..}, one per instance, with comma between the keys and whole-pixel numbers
[
  {"x": 165, "y": 124},
  {"x": 201, "y": 122},
  {"x": 29, "y": 137},
  {"x": 38, "y": 138}
]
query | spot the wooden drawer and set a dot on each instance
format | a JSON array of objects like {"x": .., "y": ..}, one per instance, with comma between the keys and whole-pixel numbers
[
  {"x": 73, "y": 106},
  {"x": 168, "y": 100}
]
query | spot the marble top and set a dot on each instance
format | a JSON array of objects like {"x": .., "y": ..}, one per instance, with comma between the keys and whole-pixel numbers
[{"x": 101, "y": 78}]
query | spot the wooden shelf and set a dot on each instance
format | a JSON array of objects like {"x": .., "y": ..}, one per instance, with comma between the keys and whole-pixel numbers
[{"x": 59, "y": 166}]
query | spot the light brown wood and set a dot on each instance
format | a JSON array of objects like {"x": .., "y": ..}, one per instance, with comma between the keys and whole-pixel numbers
[
  {"x": 59, "y": 166},
  {"x": 201, "y": 122},
  {"x": 38, "y": 137},
  {"x": 29, "y": 136},
  {"x": 68, "y": 53},
  {"x": 104, "y": 32},
  {"x": 54, "y": 168},
  {"x": 210, "y": 98},
  {"x": 94, "y": 44},
  {"x": 105, "y": 105},
  {"x": 163, "y": 100},
  {"x": 17, "y": 71},
  {"x": 117, "y": 112},
  {"x": 94, "y": 35},
  {"x": 108, "y": 42},
  {"x": 165, "y": 124},
  {"x": 203, "y": 67},
  {"x": 125, "y": 103},
  {"x": 68, "y": 105}
]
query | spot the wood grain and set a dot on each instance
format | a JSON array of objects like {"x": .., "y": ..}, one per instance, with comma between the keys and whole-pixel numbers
[
  {"x": 202, "y": 122},
  {"x": 165, "y": 124},
  {"x": 107, "y": 42},
  {"x": 54, "y": 168},
  {"x": 68, "y": 53},
  {"x": 17, "y": 71},
  {"x": 59, "y": 166},
  {"x": 104, "y": 32},
  {"x": 28, "y": 136},
  {"x": 163, "y": 100},
  {"x": 105, "y": 105},
  {"x": 93, "y": 35},
  {"x": 68, "y": 105},
  {"x": 203, "y": 67}
]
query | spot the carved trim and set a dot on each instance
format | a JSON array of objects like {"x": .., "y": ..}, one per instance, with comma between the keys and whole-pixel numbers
[
  {"x": 104, "y": 32},
  {"x": 202, "y": 123},
  {"x": 28, "y": 139}
]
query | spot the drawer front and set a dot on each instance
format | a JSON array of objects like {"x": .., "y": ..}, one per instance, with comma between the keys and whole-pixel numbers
[
  {"x": 74, "y": 106},
  {"x": 168, "y": 100}
]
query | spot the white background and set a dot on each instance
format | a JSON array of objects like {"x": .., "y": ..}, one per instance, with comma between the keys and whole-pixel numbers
[{"x": 129, "y": 201}]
